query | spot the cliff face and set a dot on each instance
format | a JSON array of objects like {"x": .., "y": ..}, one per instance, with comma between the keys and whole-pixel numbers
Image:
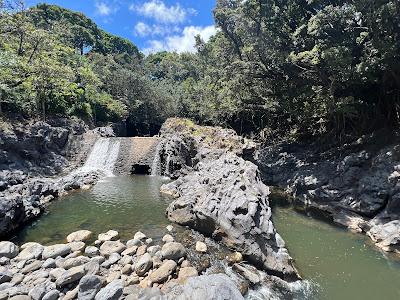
[
  {"x": 357, "y": 184},
  {"x": 220, "y": 194}
]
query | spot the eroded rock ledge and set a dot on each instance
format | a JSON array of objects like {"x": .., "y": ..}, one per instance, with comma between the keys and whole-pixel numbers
[
  {"x": 356, "y": 184},
  {"x": 220, "y": 194}
]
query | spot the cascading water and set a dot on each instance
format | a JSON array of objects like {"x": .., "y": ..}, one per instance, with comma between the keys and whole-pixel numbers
[
  {"x": 156, "y": 165},
  {"x": 103, "y": 156}
]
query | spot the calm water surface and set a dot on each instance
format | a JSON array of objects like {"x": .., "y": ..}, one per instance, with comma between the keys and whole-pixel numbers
[
  {"x": 126, "y": 204},
  {"x": 341, "y": 265}
]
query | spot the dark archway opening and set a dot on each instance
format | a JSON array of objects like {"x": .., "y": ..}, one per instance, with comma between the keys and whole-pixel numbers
[
  {"x": 135, "y": 127},
  {"x": 141, "y": 170}
]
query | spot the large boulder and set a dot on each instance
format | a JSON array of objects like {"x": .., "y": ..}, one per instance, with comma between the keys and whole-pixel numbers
[
  {"x": 225, "y": 198},
  {"x": 216, "y": 287},
  {"x": 55, "y": 251},
  {"x": 173, "y": 250},
  {"x": 79, "y": 236},
  {"x": 161, "y": 274}
]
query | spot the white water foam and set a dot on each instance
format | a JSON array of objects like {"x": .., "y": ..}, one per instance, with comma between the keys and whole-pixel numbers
[{"x": 103, "y": 156}]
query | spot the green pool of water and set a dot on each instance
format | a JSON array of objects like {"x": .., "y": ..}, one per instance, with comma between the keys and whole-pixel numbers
[
  {"x": 341, "y": 265},
  {"x": 126, "y": 204}
]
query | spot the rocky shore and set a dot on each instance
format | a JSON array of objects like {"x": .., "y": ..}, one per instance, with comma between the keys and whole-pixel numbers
[
  {"x": 36, "y": 160},
  {"x": 219, "y": 194},
  {"x": 357, "y": 185},
  {"x": 111, "y": 269}
]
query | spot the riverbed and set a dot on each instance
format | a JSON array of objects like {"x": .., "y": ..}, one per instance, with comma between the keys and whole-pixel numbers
[{"x": 339, "y": 264}]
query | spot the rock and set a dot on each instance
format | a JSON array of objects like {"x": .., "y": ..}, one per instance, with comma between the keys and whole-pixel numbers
[
  {"x": 92, "y": 267},
  {"x": 112, "y": 291},
  {"x": 8, "y": 249},
  {"x": 17, "y": 279},
  {"x": 125, "y": 260},
  {"x": 185, "y": 264},
  {"x": 79, "y": 236},
  {"x": 143, "y": 264},
  {"x": 152, "y": 250},
  {"x": 201, "y": 247},
  {"x": 386, "y": 236},
  {"x": 32, "y": 251},
  {"x": 33, "y": 266},
  {"x": 170, "y": 228},
  {"x": 49, "y": 263},
  {"x": 149, "y": 241},
  {"x": 126, "y": 269},
  {"x": 77, "y": 246},
  {"x": 74, "y": 262},
  {"x": 56, "y": 273},
  {"x": 130, "y": 251},
  {"x": 37, "y": 292},
  {"x": 52, "y": 295},
  {"x": 234, "y": 258},
  {"x": 112, "y": 276},
  {"x": 173, "y": 251},
  {"x": 110, "y": 235},
  {"x": 92, "y": 251},
  {"x": 114, "y": 257},
  {"x": 109, "y": 247},
  {"x": 216, "y": 287},
  {"x": 5, "y": 276},
  {"x": 133, "y": 243},
  {"x": 133, "y": 279},
  {"x": 141, "y": 250},
  {"x": 20, "y": 297},
  {"x": 55, "y": 251},
  {"x": 251, "y": 274},
  {"x": 71, "y": 294},
  {"x": 167, "y": 238},
  {"x": 139, "y": 236},
  {"x": 89, "y": 286},
  {"x": 225, "y": 197},
  {"x": 161, "y": 274},
  {"x": 185, "y": 273},
  {"x": 70, "y": 276}
]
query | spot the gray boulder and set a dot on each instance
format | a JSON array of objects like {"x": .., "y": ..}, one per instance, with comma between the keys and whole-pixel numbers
[
  {"x": 55, "y": 251},
  {"x": 89, "y": 286},
  {"x": 173, "y": 250},
  {"x": 216, "y": 287},
  {"x": 143, "y": 264},
  {"x": 8, "y": 249},
  {"x": 112, "y": 291},
  {"x": 72, "y": 275}
]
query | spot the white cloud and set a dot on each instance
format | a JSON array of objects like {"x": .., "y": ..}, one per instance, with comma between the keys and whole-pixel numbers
[
  {"x": 159, "y": 11},
  {"x": 185, "y": 42},
  {"x": 103, "y": 9},
  {"x": 142, "y": 29}
]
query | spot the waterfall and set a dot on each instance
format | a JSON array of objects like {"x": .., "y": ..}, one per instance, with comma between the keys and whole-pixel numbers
[
  {"x": 156, "y": 165},
  {"x": 103, "y": 156}
]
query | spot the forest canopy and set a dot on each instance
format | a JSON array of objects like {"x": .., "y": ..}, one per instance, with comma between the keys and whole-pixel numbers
[{"x": 276, "y": 68}]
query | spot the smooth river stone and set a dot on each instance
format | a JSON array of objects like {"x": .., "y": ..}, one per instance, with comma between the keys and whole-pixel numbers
[
  {"x": 110, "y": 235},
  {"x": 79, "y": 236},
  {"x": 173, "y": 251},
  {"x": 161, "y": 274},
  {"x": 70, "y": 276},
  {"x": 8, "y": 249},
  {"x": 110, "y": 247},
  {"x": 30, "y": 252},
  {"x": 55, "y": 251}
]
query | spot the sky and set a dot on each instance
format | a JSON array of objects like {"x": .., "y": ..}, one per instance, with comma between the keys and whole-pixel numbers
[{"x": 152, "y": 25}]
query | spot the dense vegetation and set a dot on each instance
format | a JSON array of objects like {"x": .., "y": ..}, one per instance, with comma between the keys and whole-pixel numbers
[{"x": 282, "y": 68}]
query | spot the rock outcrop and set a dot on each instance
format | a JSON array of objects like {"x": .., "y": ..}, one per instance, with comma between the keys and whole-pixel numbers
[
  {"x": 357, "y": 184},
  {"x": 220, "y": 194},
  {"x": 31, "y": 155}
]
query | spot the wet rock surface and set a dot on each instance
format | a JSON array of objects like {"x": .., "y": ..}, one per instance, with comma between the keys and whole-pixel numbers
[{"x": 356, "y": 184}]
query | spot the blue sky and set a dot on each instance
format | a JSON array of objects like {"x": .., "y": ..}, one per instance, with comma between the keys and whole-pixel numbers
[{"x": 153, "y": 25}]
